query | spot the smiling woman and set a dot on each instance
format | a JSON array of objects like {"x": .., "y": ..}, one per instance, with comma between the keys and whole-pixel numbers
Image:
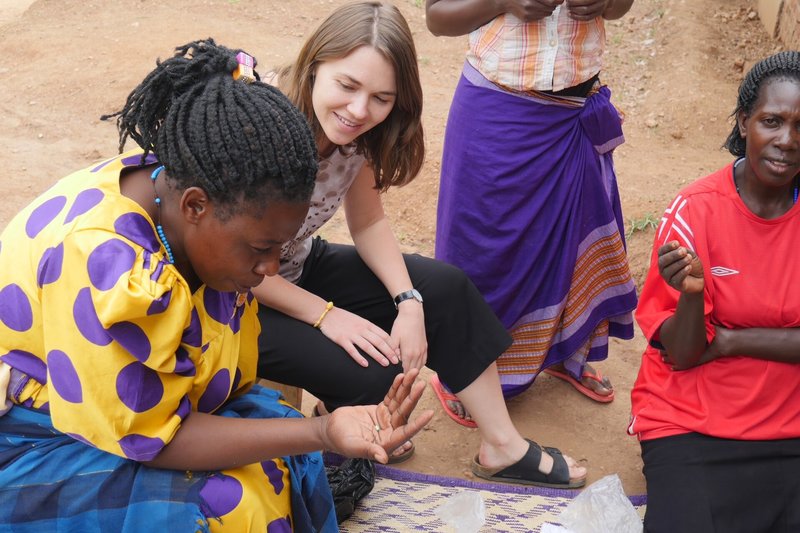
[
  {"x": 716, "y": 400},
  {"x": 352, "y": 95},
  {"x": 342, "y": 321}
]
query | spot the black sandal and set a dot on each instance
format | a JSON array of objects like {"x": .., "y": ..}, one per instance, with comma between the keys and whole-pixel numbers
[{"x": 526, "y": 470}]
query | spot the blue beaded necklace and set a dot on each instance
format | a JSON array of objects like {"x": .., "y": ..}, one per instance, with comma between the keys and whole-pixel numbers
[{"x": 159, "y": 229}]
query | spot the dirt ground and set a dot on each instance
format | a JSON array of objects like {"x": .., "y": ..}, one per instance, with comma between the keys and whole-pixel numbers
[{"x": 673, "y": 66}]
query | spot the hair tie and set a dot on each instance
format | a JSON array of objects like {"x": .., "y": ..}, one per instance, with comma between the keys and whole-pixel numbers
[{"x": 245, "y": 68}]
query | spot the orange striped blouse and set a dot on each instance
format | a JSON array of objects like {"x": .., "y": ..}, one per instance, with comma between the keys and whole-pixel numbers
[{"x": 546, "y": 55}]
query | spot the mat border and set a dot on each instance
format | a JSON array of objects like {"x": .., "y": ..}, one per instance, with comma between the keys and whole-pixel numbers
[{"x": 396, "y": 474}]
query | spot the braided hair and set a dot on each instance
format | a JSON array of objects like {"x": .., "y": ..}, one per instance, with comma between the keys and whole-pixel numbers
[
  {"x": 781, "y": 66},
  {"x": 237, "y": 141}
]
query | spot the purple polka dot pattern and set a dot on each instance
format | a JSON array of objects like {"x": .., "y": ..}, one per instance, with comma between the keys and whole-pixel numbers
[
  {"x": 184, "y": 366},
  {"x": 139, "y": 447},
  {"x": 86, "y": 319},
  {"x": 222, "y": 494},
  {"x": 44, "y": 215},
  {"x": 138, "y": 229},
  {"x": 237, "y": 377},
  {"x": 184, "y": 408},
  {"x": 101, "y": 165},
  {"x": 108, "y": 262},
  {"x": 83, "y": 202},
  {"x": 279, "y": 525},
  {"x": 63, "y": 377},
  {"x": 216, "y": 392},
  {"x": 139, "y": 387},
  {"x": 27, "y": 363},
  {"x": 136, "y": 160},
  {"x": 193, "y": 335},
  {"x": 15, "y": 309},
  {"x": 274, "y": 474},
  {"x": 82, "y": 439},
  {"x": 236, "y": 321},
  {"x": 160, "y": 304},
  {"x": 132, "y": 338},
  {"x": 50, "y": 265},
  {"x": 158, "y": 270},
  {"x": 219, "y": 305}
]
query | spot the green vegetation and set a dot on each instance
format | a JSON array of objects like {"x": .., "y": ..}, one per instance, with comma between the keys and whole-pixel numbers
[{"x": 648, "y": 221}]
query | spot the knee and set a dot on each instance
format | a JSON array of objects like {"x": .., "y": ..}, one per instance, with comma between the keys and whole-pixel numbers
[{"x": 438, "y": 280}]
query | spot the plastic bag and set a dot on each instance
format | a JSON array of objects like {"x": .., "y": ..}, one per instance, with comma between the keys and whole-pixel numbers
[
  {"x": 464, "y": 510},
  {"x": 602, "y": 507},
  {"x": 350, "y": 481}
]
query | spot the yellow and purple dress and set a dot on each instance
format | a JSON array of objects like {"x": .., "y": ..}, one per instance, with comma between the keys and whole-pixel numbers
[{"x": 109, "y": 352}]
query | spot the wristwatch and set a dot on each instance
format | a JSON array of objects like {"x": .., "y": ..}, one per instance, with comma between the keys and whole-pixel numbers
[{"x": 407, "y": 295}]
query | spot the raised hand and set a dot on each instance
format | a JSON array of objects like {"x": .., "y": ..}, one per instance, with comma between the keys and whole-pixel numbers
[
  {"x": 374, "y": 431},
  {"x": 351, "y": 332},
  {"x": 680, "y": 268}
]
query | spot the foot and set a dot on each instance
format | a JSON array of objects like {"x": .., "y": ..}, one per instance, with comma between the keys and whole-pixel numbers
[
  {"x": 497, "y": 458},
  {"x": 591, "y": 379},
  {"x": 458, "y": 409},
  {"x": 451, "y": 404}
]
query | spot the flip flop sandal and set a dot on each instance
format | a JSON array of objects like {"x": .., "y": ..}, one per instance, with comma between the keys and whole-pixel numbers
[
  {"x": 393, "y": 459},
  {"x": 526, "y": 470},
  {"x": 445, "y": 396},
  {"x": 583, "y": 389}
]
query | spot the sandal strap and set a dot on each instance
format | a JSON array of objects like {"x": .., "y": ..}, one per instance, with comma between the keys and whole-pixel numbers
[
  {"x": 527, "y": 467},
  {"x": 560, "y": 471}
]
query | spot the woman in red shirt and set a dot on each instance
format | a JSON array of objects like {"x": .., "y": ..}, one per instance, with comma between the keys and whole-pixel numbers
[{"x": 715, "y": 404}]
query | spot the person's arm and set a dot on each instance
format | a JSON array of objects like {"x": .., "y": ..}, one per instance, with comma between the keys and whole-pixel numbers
[
  {"x": 459, "y": 17},
  {"x": 210, "y": 442},
  {"x": 684, "y": 333},
  {"x": 378, "y": 248},
  {"x": 346, "y": 329},
  {"x": 771, "y": 344},
  {"x": 289, "y": 299}
]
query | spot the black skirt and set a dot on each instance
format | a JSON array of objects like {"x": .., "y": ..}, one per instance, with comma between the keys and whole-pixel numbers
[{"x": 697, "y": 483}]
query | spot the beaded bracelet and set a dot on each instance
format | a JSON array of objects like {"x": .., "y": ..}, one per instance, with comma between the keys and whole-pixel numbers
[{"x": 328, "y": 307}]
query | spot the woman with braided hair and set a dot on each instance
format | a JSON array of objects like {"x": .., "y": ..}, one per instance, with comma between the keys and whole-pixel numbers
[
  {"x": 715, "y": 404},
  {"x": 129, "y": 329},
  {"x": 342, "y": 321}
]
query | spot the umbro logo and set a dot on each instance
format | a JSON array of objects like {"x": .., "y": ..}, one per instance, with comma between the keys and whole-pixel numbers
[{"x": 723, "y": 271}]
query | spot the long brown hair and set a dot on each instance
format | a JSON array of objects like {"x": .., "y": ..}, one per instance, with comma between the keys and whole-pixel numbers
[{"x": 395, "y": 148}]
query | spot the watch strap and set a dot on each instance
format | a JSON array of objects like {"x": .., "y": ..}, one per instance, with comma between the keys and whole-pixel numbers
[{"x": 413, "y": 294}]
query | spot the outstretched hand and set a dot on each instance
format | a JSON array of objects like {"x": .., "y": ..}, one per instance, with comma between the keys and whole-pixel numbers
[
  {"x": 374, "y": 431},
  {"x": 680, "y": 268}
]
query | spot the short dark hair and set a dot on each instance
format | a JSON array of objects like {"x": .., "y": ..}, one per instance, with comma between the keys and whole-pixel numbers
[
  {"x": 238, "y": 141},
  {"x": 783, "y": 65}
]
